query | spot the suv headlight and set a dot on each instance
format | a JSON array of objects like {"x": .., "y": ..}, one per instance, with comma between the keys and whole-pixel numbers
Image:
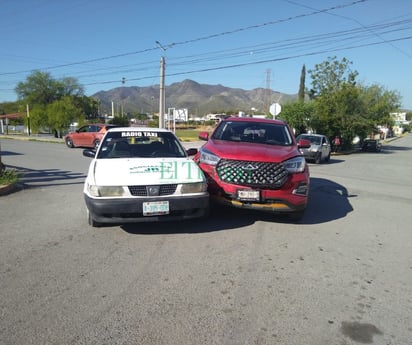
[
  {"x": 295, "y": 165},
  {"x": 208, "y": 157}
]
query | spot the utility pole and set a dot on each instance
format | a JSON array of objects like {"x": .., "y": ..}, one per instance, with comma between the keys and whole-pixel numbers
[
  {"x": 28, "y": 119},
  {"x": 162, "y": 96},
  {"x": 122, "y": 97}
]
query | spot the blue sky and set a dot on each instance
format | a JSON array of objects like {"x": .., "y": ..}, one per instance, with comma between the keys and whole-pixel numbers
[{"x": 233, "y": 43}]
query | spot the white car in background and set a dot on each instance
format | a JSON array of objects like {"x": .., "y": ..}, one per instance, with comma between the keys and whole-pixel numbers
[
  {"x": 143, "y": 175},
  {"x": 319, "y": 150}
]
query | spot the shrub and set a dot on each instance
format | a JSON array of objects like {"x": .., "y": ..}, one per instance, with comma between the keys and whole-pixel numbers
[{"x": 8, "y": 176}]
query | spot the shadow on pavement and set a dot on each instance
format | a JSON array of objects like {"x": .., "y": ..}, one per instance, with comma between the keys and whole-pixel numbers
[{"x": 328, "y": 201}]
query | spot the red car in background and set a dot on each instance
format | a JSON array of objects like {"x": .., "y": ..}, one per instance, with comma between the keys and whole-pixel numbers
[
  {"x": 88, "y": 135},
  {"x": 255, "y": 163}
]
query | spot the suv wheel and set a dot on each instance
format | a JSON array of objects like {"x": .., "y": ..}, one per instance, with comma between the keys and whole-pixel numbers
[{"x": 318, "y": 158}]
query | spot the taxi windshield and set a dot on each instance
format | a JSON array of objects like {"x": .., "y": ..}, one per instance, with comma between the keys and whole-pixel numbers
[{"x": 140, "y": 144}]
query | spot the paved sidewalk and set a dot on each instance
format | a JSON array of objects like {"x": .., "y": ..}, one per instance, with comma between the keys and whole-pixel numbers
[{"x": 34, "y": 137}]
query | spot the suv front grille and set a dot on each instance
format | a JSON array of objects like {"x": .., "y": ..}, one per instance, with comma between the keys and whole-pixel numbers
[
  {"x": 252, "y": 174},
  {"x": 164, "y": 189}
]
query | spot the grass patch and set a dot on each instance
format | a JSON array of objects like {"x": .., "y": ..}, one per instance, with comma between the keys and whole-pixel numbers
[
  {"x": 187, "y": 134},
  {"x": 193, "y": 133},
  {"x": 8, "y": 176}
]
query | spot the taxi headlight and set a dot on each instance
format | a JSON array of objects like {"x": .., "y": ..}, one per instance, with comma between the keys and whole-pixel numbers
[
  {"x": 106, "y": 191},
  {"x": 198, "y": 187}
]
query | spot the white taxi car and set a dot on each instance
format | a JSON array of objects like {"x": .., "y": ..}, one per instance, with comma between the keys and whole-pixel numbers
[{"x": 143, "y": 175}]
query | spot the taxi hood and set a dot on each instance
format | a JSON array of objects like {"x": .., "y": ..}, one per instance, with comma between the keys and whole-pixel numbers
[{"x": 144, "y": 171}]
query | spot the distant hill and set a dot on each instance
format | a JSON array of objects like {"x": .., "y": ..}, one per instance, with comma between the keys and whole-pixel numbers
[{"x": 199, "y": 99}]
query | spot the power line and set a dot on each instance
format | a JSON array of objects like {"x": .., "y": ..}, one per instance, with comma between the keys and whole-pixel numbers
[
  {"x": 356, "y": 21},
  {"x": 261, "y": 61},
  {"x": 325, "y": 10}
]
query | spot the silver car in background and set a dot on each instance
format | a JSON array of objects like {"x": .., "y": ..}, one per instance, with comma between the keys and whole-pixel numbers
[{"x": 319, "y": 149}]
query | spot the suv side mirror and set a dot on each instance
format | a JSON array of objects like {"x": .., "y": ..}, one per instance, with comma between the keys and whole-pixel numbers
[{"x": 204, "y": 136}]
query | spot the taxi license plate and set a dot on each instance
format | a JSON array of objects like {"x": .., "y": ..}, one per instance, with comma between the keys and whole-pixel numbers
[
  {"x": 155, "y": 208},
  {"x": 248, "y": 195}
]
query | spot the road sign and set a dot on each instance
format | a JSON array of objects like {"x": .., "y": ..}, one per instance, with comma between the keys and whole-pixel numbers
[{"x": 275, "y": 109}]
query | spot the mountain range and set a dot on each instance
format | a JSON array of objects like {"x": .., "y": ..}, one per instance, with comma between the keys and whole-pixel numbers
[{"x": 199, "y": 99}]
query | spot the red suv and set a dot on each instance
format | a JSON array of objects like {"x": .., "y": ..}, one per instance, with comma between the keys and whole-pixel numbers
[{"x": 256, "y": 164}]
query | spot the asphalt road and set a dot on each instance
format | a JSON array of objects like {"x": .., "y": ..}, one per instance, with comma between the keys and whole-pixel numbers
[{"x": 341, "y": 276}]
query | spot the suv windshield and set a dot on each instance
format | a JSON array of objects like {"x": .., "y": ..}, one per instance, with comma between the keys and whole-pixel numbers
[
  {"x": 254, "y": 132},
  {"x": 140, "y": 144}
]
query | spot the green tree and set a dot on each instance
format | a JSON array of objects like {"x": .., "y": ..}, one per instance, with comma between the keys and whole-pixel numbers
[
  {"x": 378, "y": 103},
  {"x": 345, "y": 108},
  {"x": 38, "y": 117},
  {"x": 9, "y": 108},
  {"x": 330, "y": 75},
  {"x": 54, "y": 103},
  {"x": 39, "y": 88},
  {"x": 301, "y": 93},
  {"x": 337, "y": 103},
  {"x": 336, "y": 110},
  {"x": 69, "y": 86},
  {"x": 120, "y": 121},
  {"x": 61, "y": 113},
  {"x": 88, "y": 105},
  {"x": 298, "y": 115}
]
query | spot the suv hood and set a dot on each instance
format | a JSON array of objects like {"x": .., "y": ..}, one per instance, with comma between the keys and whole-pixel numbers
[
  {"x": 252, "y": 151},
  {"x": 138, "y": 171}
]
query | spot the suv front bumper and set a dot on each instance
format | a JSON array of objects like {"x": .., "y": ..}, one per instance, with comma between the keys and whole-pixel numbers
[{"x": 291, "y": 197}]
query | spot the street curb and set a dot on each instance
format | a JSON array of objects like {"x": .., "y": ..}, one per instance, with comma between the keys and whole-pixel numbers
[
  {"x": 7, "y": 188},
  {"x": 49, "y": 139}
]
